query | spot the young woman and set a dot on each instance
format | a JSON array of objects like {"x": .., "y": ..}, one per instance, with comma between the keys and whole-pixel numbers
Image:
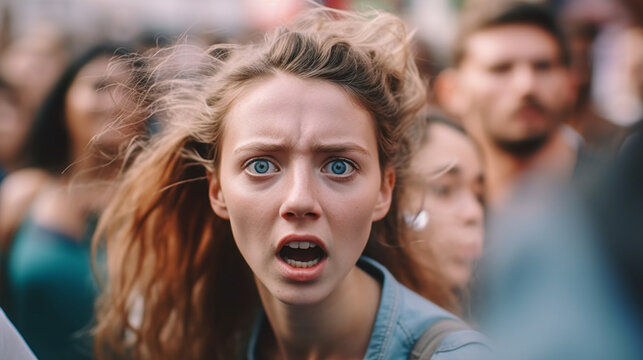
[
  {"x": 442, "y": 205},
  {"x": 239, "y": 231},
  {"x": 48, "y": 287}
]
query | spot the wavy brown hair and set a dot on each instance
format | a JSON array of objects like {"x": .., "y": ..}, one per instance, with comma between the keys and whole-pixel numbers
[{"x": 170, "y": 259}]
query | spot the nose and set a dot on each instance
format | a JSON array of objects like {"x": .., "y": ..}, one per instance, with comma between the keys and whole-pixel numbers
[
  {"x": 524, "y": 79},
  {"x": 301, "y": 200},
  {"x": 473, "y": 220},
  {"x": 472, "y": 211}
]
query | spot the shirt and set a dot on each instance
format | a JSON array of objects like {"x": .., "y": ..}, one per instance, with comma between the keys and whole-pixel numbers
[{"x": 402, "y": 317}]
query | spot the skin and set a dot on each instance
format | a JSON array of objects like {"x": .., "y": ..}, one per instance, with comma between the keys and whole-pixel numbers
[
  {"x": 513, "y": 84},
  {"x": 90, "y": 107},
  {"x": 512, "y": 92},
  {"x": 300, "y": 129},
  {"x": 635, "y": 63},
  {"x": 453, "y": 200},
  {"x": 32, "y": 64}
]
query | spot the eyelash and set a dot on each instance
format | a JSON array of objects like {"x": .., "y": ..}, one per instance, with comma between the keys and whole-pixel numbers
[
  {"x": 442, "y": 190},
  {"x": 272, "y": 168},
  {"x": 351, "y": 167}
]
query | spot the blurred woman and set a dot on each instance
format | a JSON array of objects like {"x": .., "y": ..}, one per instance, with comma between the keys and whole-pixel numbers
[
  {"x": 48, "y": 287},
  {"x": 32, "y": 62},
  {"x": 29, "y": 67},
  {"x": 443, "y": 204}
]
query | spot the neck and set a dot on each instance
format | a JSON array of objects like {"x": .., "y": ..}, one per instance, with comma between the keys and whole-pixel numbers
[
  {"x": 338, "y": 327},
  {"x": 504, "y": 171}
]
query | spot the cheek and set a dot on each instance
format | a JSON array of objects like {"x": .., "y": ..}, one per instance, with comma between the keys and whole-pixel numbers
[
  {"x": 77, "y": 108},
  {"x": 442, "y": 209},
  {"x": 79, "y": 101},
  {"x": 485, "y": 96},
  {"x": 485, "y": 85},
  {"x": 438, "y": 232},
  {"x": 349, "y": 217},
  {"x": 349, "y": 220},
  {"x": 558, "y": 94},
  {"x": 250, "y": 215}
]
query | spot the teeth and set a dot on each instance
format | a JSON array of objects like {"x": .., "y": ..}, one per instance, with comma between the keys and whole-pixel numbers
[
  {"x": 301, "y": 245},
  {"x": 302, "y": 264}
]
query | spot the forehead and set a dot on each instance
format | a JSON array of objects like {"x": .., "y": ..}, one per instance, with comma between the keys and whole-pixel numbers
[
  {"x": 101, "y": 69},
  {"x": 446, "y": 146},
  {"x": 510, "y": 42},
  {"x": 292, "y": 110},
  {"x": 95, "y": 66}
]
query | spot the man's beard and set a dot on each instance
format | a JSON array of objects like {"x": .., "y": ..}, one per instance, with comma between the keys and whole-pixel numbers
[
  {"x": 524, "y": 147},
  {"x": 530, "y": 145}
]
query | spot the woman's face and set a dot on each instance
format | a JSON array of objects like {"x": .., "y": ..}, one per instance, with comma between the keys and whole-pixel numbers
[
  {"x": 92, "y": 104},
  {"x": 447, "y": 183},
  {"x": 300, "y": 182}
]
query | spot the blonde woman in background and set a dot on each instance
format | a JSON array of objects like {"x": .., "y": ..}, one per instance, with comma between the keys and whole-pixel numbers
[{"x": 443, "y": 205}]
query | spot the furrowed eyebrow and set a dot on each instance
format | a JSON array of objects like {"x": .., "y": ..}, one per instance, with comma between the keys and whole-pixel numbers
[
  {"x": 269, "y": 147},
  {"x": 342, "y": 148},
  {"x": 262, "y": 147}
]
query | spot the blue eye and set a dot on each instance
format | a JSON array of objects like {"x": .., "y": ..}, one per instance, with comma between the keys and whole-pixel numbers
[
  {"x": 339, "y": 167},
  {"x": 261, "y": 166}
]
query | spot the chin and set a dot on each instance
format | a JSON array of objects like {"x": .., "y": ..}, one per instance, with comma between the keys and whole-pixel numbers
[
  {"x": 524, "y": 146},
  {"x": 301, "y": 296},
  {"x": 460, "y": 278}
]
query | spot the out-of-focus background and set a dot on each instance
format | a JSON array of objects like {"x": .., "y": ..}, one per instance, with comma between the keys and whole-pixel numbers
[
  {"x": 601, "y": 40},
  {"x": 53, "y": 103}
]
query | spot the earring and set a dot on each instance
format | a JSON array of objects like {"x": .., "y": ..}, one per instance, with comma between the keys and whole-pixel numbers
[{"x": 418, "y": 221}]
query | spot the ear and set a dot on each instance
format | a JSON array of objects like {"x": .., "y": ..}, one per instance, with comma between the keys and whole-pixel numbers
[
  {"x": 448, "y": 95},
  {"x": 385, "y": 195},
  {"x": 217, "y": 202}
]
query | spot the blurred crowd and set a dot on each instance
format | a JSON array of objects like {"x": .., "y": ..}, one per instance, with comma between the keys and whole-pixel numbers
[{"x": 524, "y": 194}]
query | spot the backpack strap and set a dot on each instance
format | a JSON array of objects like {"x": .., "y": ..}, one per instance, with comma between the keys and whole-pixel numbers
[{"x": 428, "y": 342}]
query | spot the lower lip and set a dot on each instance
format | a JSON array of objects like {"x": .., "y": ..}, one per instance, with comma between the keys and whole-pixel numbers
[
  {"x": 301, "y": 274},
  {"x": 530, "y": 114}
]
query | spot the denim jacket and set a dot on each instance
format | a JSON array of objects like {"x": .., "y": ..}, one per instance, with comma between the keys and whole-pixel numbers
[{"x": 402, "y": 317}]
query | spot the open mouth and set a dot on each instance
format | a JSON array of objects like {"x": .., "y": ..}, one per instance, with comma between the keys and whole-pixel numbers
[{"x": 301, "y": 254}]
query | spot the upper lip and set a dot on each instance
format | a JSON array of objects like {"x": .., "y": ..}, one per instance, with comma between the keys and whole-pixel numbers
[
  {"x": 301, "y": 237},
  {"x": 530, "y": 106}
]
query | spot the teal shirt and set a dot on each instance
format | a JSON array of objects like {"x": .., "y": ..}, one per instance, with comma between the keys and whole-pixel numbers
[{"x": 51, "y": 291}]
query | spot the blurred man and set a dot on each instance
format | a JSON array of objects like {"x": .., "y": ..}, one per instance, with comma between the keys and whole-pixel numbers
[
  {"x": 512, "y": 88},
  {"x": 564, "y": 278}
]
